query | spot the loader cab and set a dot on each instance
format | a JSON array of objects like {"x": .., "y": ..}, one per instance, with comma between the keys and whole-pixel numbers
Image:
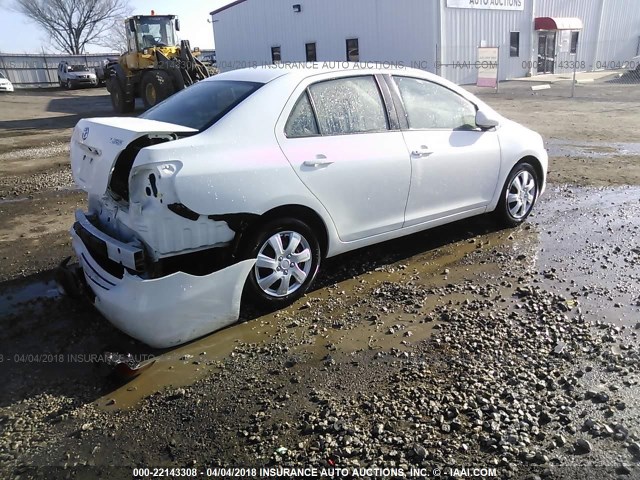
[{"x": 152, "y": 31}]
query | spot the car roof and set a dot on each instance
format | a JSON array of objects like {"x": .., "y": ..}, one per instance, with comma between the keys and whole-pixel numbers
[{"x": 299, "y": 71}]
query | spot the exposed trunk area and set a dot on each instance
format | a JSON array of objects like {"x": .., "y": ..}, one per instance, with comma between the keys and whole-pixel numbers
[{"x": 119, "y": 183}]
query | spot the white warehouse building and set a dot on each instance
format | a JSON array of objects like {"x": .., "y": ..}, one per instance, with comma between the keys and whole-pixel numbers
[{"x": 442, "y": 36}]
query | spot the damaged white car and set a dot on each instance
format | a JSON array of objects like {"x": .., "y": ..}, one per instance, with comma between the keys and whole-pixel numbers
[{"x": 239, "y": 186}]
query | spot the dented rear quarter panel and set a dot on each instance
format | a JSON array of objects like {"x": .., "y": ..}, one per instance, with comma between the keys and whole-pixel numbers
[{"x": 237, "y": 166}]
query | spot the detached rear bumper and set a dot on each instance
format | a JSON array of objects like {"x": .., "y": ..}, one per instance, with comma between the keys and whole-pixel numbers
[{"x": 167, "y": 311}]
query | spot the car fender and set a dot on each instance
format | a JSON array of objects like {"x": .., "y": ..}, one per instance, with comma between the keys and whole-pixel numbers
[
  {"x": 516, "y": 143},
  {"x": 254, "y": 180}
]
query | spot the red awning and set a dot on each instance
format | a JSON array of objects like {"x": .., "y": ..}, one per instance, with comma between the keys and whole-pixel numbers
[{"x": 558, "y": 23}]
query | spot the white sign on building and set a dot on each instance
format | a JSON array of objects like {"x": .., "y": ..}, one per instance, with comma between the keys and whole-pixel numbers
[
  {"x": 487, "y": 4},
  {"x": 487, "y": 66}
]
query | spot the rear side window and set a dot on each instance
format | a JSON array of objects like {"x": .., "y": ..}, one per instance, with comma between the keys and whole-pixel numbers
[
  {"x": 302, "y": 121},
  {"x": 203, "y": 104},
  {"x": 349, "y": 105},
  {"x": 429, "y": 105}
]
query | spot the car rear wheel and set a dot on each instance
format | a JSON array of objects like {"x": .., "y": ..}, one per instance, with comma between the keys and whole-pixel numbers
[
  {"x": 287, "y": 256},
  {"x": 518, "y": 196},
  {"x": 156, "y": 87}
]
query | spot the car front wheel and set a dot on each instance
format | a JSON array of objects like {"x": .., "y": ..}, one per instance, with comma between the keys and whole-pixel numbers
[
  {"x": 287, "y": 256},
  {"x": 518, "y": 196}
]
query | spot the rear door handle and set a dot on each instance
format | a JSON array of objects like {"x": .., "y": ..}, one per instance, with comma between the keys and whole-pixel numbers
[
  {"x": 422, "y": 152},
  {"x": 320, "y": 161}
]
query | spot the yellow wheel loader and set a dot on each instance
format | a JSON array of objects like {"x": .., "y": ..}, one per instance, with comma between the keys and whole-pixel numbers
[{"x": 155, "y": 66}]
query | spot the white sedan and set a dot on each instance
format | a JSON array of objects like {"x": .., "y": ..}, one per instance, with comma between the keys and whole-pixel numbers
[
  {"x": 239, "y": 186},
  {"x": 5, "y": 84}
]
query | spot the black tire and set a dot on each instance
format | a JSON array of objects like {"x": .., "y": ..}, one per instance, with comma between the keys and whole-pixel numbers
[
  {"x": 512, "y": 211},
  {"x": 257, "y": 241},
  {"x": 68, "y": 85},
  {"x": 156, "y": 86},
  {"x": 120, "y": 101}
]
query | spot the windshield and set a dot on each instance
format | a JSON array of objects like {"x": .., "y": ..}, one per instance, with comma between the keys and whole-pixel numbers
[
  {"x": 78, "y": 68},
  {"x": 202, "y": 104},
  {"x": 156, "y": 32}
]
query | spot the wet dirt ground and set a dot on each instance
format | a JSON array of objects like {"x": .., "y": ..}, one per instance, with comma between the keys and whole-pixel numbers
[{"x": 465, "y": 346}]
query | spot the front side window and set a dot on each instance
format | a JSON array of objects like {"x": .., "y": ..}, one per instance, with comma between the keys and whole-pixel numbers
[
  {"x": 276, "y": 57},
  {"x": 353, "y": 50},
  {"x": 203, "y": 104},
  {"x": 429, "y": 105},
  {"x": 302, "y": 121},
  {"x": 349, "y": 105}
]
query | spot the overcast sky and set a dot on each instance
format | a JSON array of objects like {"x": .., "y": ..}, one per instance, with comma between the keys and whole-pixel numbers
[{"x": 19, "y": 35}]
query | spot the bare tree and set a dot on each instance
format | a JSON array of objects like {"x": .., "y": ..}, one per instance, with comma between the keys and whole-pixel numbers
[
  {"x": 72, "y": 24},
  {"x": 115, "y": 35}
]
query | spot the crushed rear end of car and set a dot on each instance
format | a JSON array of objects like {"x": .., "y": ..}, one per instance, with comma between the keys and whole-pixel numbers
[{"x": 146, "y": 263}]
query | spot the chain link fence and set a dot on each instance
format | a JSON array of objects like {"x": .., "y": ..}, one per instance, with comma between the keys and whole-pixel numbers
[{"x": 40, "y": 70}]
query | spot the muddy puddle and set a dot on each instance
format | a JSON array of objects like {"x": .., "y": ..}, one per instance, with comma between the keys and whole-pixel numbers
[
  {"x": 589, "y": 246},
  {"x": 566, "y": 148},
  {"x": 344, "y": 326},
  {"x": 15, "y": 298},
  {"x": 577, "y": 236}
]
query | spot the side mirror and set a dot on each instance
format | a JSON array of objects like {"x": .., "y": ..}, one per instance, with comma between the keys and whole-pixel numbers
[
  {"x": 177, "y": 25},
  {"x": 486, "y": 119},
  {"x": 132, "y": 25}
]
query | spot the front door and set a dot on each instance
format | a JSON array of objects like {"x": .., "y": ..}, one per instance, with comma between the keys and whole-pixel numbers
[
  {"x": 454, "y": 164},
  {"x": 546, "y": 52}
]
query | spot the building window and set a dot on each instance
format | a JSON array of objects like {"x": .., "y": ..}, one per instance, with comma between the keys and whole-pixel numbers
[
  {"x": 574, "y": 41},
  {"x": 514, "y": 48},
  {"x": 275, "y": 55},
  {"x": 311, "y": 52},
  {"x": 353, "y": 50}
]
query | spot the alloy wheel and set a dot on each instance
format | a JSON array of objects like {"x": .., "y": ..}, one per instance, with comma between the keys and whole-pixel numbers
[
  {"x": 283, "y": 263},
  {"x": 521, "y": 194}
]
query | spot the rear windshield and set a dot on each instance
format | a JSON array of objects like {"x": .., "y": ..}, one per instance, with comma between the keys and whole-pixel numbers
[{"x": 203, "y": 104}]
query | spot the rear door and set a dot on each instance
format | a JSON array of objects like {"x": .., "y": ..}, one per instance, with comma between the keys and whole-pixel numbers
[
  {"x": 455, "y": 165},
  {"x": 337, "y": 135}
]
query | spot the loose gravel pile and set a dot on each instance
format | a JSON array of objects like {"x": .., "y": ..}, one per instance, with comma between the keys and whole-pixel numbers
[
  {"x": 26, "y": 185},
  {"x": 515, "y": 376},
  {"x": 502, "y": 383}
]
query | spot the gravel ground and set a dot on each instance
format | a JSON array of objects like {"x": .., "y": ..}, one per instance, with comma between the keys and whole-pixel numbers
[{"x": 465, "y": 347}]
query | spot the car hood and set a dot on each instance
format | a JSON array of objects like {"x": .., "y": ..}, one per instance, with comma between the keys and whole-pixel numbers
[
  {"x": 96, "y": 144},
  {"x": 80, "y": 74},
  {"x": 4, "y": 81}
]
